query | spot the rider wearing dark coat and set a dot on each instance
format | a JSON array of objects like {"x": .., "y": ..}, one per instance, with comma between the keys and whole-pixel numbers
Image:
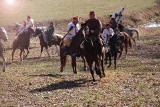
[
  {"x": 50, "y": 33},
  {"x": 94, "y": 25}
]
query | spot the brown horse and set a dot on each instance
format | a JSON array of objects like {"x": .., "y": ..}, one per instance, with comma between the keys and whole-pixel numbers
[
  {"x": 3, "y": 36},
  {"x": 73, "y": 50},
  {"x": 22, "y": 42},
  {"x": 125, "y": 41},
  {"x": 56, "y": 41}
]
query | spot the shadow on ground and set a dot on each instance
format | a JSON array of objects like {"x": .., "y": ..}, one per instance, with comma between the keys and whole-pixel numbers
[
  {"x": 47, "y": 75},
  {"x": 62, "y": 85}
]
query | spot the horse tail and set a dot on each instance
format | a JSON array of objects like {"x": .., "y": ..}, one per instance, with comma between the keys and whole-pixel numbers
[
  {"x": 63, "y": 58},
  {"x": 137, "y": 32},
  {"x": 128, "y": 38},
  {"x": 130, "y": 43}
]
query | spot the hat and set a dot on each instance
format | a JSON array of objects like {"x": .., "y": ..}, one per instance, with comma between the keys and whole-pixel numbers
[
  {"x": 24, "y": 21},
  {"x": 92, "y": 12},
  {"x": 75, "y": 18},
  {"x": 29, "y": 16},
  {"x": 107, "y": 24}
]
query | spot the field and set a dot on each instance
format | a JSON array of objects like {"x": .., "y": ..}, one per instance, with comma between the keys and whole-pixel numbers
[
  {"x": 38, "y": 82},
  {"x": 44, "y": 10}
]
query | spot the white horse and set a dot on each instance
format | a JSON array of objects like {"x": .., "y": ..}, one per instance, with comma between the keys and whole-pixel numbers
[
  {"x": 130, "y": 32},
  {"x": 4, "y": 37}
]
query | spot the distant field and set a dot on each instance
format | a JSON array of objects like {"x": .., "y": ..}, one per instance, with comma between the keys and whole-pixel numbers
[{"x": 42, "y": 10}]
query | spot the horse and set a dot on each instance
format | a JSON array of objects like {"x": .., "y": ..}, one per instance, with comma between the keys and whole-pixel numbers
[
  {"x": 94, "y": 52},
  {"x": 22, "y": 42},
  {"x": 113, "y": 51},
  {"x": 56, "y": 41},
  {"x": 73, "y": 50},
  {"x": 125, "y": 40},
  {"x": 130, "y": 32},
  {"x": 4, "y": 37}
]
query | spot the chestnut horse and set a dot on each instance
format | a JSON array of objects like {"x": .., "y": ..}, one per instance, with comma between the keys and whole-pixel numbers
[
  {"x": 4, "y": 37},
  {"x": 125, "y": 41},
  {"x": 22, "y": 42}
]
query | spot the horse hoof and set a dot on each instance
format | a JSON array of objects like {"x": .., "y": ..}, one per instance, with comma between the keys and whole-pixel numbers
[
  {"x": 85, "y": 69},
  {"x": 103, "y": 74},
  {"x": 75, "y": 72},
  {"x": 3, "y": 70}
]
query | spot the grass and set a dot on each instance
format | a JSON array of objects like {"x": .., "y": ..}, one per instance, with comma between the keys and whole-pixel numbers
[
  {"x": 44, "y": 10},
  {"x": 38, "y": 82}
]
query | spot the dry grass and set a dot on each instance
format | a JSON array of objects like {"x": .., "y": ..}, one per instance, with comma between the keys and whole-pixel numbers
[{"x": 38, "y": 82}]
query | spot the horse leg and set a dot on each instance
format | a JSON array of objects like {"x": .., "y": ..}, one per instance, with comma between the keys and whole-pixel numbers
[
  {"x": 115, "y": 61},
  {"x": 110, "y": 60},
  {"x": 4, "y": 63},
  {"x": 121, "y": 50},
  {"x": 74, "y": 65},
  {"x": 126, "y": 46},
  {"x": 48, "y": 52},
  {"x": 97, "y": 67},
  {"x": 27, "y": 53},
  {"x": 13, "y": 54},
  {"x": 21, "y": 59},
  {"x": 84, "y": 61},
  {"x": 41, "y": 51},
  {"x": 91, "y": 70},
  {"x": 63, "y": 62},
  {"x": 102, "y": 61}
]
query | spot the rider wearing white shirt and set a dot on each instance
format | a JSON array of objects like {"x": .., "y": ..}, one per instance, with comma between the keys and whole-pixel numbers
[
  {"x": 72, "y": 30},
  {"x": 107, "y": 33},
  {"x": 22, "y": 28},
  {"x": 30, "y": 23}
]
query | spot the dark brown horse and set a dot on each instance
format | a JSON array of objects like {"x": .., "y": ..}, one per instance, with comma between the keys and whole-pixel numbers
[
  {"x": 22, "y": 42},
  {"x": 73, "y": 50},
  {"x": 94, "y": 54},
  {"x": 3, "y": 36},
  {"x": 56, "y": 41},
  {"x": 112, "y": 51}
]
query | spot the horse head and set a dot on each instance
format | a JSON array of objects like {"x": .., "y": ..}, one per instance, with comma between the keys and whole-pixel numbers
[
  {"x": 38, "y": 31},
  {"x": 3, "y": 34}
]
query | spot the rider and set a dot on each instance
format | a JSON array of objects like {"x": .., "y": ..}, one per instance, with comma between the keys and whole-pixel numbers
[
  {"x": 30, "y": 23},
  {"x": 72, "y": 29},
  {"x": 22, "y": 28},
  {"x": 50, "y": 33},
  {"x": 107, "y": 33},
  {"x": 95, "y": 27}
]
